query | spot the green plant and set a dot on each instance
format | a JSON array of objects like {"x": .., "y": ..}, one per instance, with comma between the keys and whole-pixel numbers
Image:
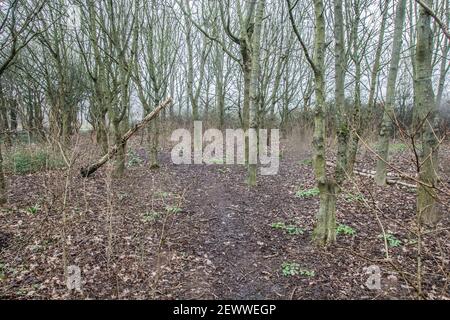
[
  {"x": 290, "y": 229},
  {"x": 293, "y": 269},
  {"x": 173, "y": 209},
  {"x": 391, "y": 240},
  {"x": 134, "y": 159},
  {"x": 278, "y": 225},
  {"x": 294, "y": 230},
  {"x": 151, "y": 216},
  {"x": 307, "y": 273},
  {"x": 290, "y": 269},
  {"x": 33, "y": 209},
  {"x": 344, "y": 229},
  {"x": 307, "y": 193}
]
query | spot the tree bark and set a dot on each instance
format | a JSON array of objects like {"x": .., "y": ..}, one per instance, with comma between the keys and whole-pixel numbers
[
  {"x": 376, "y": 64},
  {"x": 255, "y": 69},
  {"x": 342, "y": 123},
  {"x": 3, "y": 190},
  {"x": 426, "y": 111},
  {"x": 388, "y": 115},
  {"x": 356, "y": 116},
  {"x": 325, "y": 229}
]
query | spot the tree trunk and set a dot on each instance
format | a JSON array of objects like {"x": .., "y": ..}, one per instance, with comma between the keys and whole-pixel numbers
[
  {"x": 325, "y": 229},
  {"x": 342, "y": 124},
  {"x": 254, "y": 112},
  {"x": 3, "y": 190},
  {"x": 102, "y": 133},
  {"x": 356, "y": 117},
  {"x": 119, "y": 161},
  {"x": 444, "y": 62},
  {"x": 388, "y": 115},
  {"x": 13, "y": 116},
  {"x": 376, "y": 64},
  {"x": 190, "y": 72},
  {"x": 220, "y": 97},
  {"x": 4, "y": 119},
  {"x": 247, "y": 65},
  {"x": 153, "y": 132},
  {"x": 426, "y": 111}
]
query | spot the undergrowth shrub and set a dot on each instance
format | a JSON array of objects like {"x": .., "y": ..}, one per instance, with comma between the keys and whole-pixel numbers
[{"x": 27, "y": 160}]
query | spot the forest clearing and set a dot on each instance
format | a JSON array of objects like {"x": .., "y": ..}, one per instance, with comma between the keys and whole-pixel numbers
[{"x": 224, "y": 150}]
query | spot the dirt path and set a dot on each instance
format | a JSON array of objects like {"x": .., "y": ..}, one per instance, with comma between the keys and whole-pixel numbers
[{"x": 228, "y": 241}]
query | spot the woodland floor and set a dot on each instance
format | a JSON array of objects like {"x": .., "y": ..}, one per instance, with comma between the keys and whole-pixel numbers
[{"x": 199, "y": 232}]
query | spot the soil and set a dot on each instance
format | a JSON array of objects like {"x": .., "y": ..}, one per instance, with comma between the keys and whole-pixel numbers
[{"x": 200, "y": 232}]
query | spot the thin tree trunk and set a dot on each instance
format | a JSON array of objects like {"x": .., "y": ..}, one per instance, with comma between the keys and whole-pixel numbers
[
  {"x": 255, "y": 69},
  {"x": 247, "y": 62},
  {"x": 388, "y": 115},
  {"x": 356, "y": 117},
  {"x": 3, "y": 190},
  {"x": 153, "y": 132},
  {"x": 342, "y": 123},
  {"x": 13, "y": 116},
  {"x": 220, "y": 97},
  {"x": 376, "y": 64},
  {"x": 119, "y": 161},
  {"x": 4, "y": 119},
  {"x": 444, "y": 67}
]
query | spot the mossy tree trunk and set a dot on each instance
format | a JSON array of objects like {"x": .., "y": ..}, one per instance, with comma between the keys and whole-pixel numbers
[
  {"x": 325, "y": 229},
  {"x": 426, "y": 112}
]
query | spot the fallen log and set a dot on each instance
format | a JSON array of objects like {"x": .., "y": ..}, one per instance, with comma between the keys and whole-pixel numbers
[
  {"x": 391, "y": 178},
  {"x": 87, "y": 171}
]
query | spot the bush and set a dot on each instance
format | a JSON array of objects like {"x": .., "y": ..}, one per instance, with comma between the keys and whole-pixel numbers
[{"x": 25, "y": 161}]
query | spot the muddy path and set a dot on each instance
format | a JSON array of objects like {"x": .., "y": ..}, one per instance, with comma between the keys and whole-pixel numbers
[{"x": 228, "y": 236}]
